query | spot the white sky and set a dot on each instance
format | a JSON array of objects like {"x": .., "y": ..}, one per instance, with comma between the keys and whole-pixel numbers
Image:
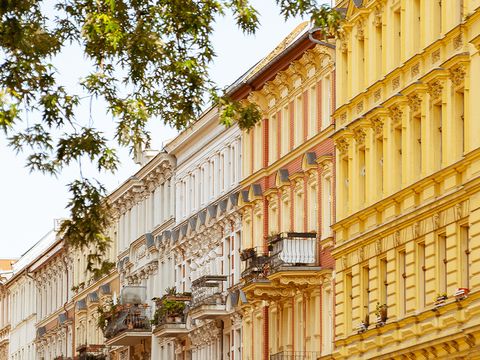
[{"x": 29, "y": 202}]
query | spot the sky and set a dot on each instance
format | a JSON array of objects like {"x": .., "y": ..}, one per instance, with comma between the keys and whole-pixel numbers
[{"x": 29, "y": 202}]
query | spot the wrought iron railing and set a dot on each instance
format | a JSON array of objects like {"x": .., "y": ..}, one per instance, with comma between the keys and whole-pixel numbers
[
  {"x": 296, "y": 355},
  {"x": 128, "y": 318},
  {"x": 208, "y": 290},
  {"x": 254, "y": 262}
]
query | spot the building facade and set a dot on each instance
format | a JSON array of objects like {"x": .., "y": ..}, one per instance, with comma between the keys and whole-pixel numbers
[
  {"x": 5, "y": 274},
  {"x": 206, "y": 237},
  {"x": 144, "y": 211},
  {"x": 407, "y": 153},
  {"x": 287, "y": 203},
  {"x": 52, "y": 273},
  {"x": 22, "y": 300}
]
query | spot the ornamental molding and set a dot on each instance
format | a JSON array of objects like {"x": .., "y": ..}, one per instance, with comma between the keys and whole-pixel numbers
[
  {"x": 360, "y": 134},
  {"x": 377, "y": 125},
  {"x": 457, "y": 75},
  {"x": 342, "y": 145},
  {"x": 435, "y": 89},
  {"x": 205, "y": 335},
  {"x": 414, "y": 102},
  {"x": 395, "y": 113}
]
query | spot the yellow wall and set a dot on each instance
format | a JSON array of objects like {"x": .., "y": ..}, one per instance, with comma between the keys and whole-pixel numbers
[{"x": 408, "y": 162}]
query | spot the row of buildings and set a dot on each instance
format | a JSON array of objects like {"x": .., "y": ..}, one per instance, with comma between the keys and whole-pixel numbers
[{"x": 344, "y": 225}]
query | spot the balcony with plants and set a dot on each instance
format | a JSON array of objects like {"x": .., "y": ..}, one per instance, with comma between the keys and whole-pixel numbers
[
  {"x": 208, "y": 297},
  {"x": 124, "y": 324},
  {"x": 169, "y": 319}
]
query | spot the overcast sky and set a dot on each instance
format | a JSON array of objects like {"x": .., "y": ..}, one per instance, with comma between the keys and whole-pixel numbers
[{"x": 29, "y": 202}]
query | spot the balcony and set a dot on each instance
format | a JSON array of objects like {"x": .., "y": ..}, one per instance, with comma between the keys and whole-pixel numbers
[
  {"x": 208, "y": 300},
  {"x": 296, "y": 355},
  {"x": 291, "y": 249},
  {"x": 170, "y": 318},
  {"x": 255, "y": 260},
  {"x": 127, "y": 325}
]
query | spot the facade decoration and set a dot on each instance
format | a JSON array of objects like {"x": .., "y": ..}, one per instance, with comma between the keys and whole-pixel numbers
[
  {"x": 406, "y": 225},
  {"x": 287, "y": 209}
]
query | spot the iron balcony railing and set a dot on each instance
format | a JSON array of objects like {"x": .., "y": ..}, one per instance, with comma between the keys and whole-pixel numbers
[
  {"x": 296, "y": 355},
  {"x": 254, "y": 262},
  {"x": 128, "y": 318},
  {"x": 208, "y": 290}
]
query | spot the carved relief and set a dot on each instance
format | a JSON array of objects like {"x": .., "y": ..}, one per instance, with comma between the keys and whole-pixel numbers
[
  {"x": 396, "y": 113},
  {"x": 397, "y": 239},
  {"x": 360, "y": 134},
  {"x": 457, "y": 41},
  {"x": 377, "y": 124},
  {"x": 415, "y": 70},
  {"x": 359, "y": 107},
  {"x": 396, "y": 83},
  {"x": 457, "y": 75},
  {"x": 342, "y": 145},
  {"x": 414, "y": 101},
  {"x": 435, "y": 56},
  {"x": 377, "y": 95},
  {"x": 435, "y": 89},
  {"x": 378, "y": 246}
]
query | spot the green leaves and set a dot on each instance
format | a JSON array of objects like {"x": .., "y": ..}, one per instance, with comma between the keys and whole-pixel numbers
[{"x": 150, "y": 61}]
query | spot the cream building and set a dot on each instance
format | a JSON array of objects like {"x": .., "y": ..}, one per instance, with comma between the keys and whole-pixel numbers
[
  {"x": 22, "y": 298},
  {"x": 407, "y": 180},
  {"x": 144, "y": 212},
  {"x": 52, "y": 273},
  {"x": 207, "y": 239},
  {"x": 5, "y": 274}
]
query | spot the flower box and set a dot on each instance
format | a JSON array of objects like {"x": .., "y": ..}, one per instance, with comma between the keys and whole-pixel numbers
[{"x": 461, "y": 293}]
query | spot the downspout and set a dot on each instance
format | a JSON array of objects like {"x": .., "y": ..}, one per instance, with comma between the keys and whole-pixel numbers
[{"x": 66, "y": 312}]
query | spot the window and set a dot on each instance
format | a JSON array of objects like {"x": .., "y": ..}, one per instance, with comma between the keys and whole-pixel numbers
[
  {"x": 285, "y": 131},
  {"x": 398, "y": 154},
  {"x": 421, "y": 284},
  {"x": 379, "y": 49},
  {"x": 348, "y": 302},
  {"x": 459, "y": 122},
  {"x": 361, "y": 177},
  {"x": 465, "y": 255},
  {"x": 417, "y": 146},
  {"x": 402, "y": 282},
  {"x": 312, "y": 207},
  {"x": 273, "y": 134},
  {"x": 416, "y": 31},
  {"x": 397, "y": 36},
  {"x": 326, "y": 207},
  {"x": 437, "y": 134},
  {"x": 361, "y": 62},
  {"x": 437, "y": 18},
  {"x": 312, "y": 105},
  {"x": 298, "y": 127},
  {"x": 365, "y": 293},
  {"x": 379, "y": 164},
  {"x": 442, "y": 263},
  {"x": 326, "y": 101},
  {"x": 382, "y": 281},
  {"x": 345, "y": 178},
  {"x": 344, "y": 84}
]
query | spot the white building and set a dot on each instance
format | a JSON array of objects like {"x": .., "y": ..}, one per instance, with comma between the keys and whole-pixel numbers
[
  {"x": 53, "y": 275},
  {"x": 207, "y": 240},
  {"x": 145, "y": 213},
  {"x": 22, "y": 299}
]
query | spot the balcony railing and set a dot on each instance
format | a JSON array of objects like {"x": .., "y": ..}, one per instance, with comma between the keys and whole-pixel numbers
[
  {"x": 292, "y": 249},
  {"x": 255, "y": 260},
  {"x": 208, "y": 290},
  {"x": 170, "y": 319},
  {"x": 128, "y": 318},
  {"x": 296, "y": 355}
]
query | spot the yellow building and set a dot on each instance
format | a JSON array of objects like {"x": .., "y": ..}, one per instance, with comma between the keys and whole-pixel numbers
[
  {"x": 286, "y": 203},
  {"x": 407, "y": 168}
]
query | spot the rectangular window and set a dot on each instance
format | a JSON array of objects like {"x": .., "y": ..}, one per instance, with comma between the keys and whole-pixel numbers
[
  {"x": 361, "y": 63},
  {"x": 421, "y": 284},
  {"x": 398, "y": 155},
  {"x": 379, "y": 50},
  {"x": 312, "y": 119},
  {"x": 416, "y": 31},
  {"x": 344, "y": 87},
  {"x": 465, "y": 255},
  {"x": 442, "y": 263},
  {"x": 459, "y": 122},
  {"x": 437, "y": 135},
  {"x": 365, "y": 293},
  {"x": 298, "y": 128},
  {"x": 345, "y": 179},
  {"x": 348, "y": 302},
  {"x": 402, "y": 282},
  {"x": 379, "y": 164},
  {"x": 437, "y": 18},
  {"x": 417, "y": 146},
  {"x": 273, "y": 134},
  {"x": 361, "y": 177},
  {"x": 285, "y": 132},
  {"x": 397, "y": 36},
  {"x": 382, "y": 281},
  {"x": 327, "y": 101}
]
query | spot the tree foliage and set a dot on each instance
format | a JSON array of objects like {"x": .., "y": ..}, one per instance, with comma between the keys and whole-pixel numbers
[{"x": 149, "y": 59}]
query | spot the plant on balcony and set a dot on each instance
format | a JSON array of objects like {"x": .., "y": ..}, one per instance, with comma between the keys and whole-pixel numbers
[
  {"x": 105, "y": 312},
  {"x": 440, "y": 300},
  {"x": 169, "y": 310},
  {"x": 247, "y": 254},
  {"x": 461, "y": 294},
  {"x": 381, "y": 313},
  {"x": 363, "y": 326}
]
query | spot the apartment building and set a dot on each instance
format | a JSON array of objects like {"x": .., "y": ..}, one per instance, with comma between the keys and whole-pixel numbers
[
  {"x": 287, "y": 203},
  {"x": 407, "y": 153},
  {"x": 206, "y": 236},
  {"x": 51, "y": 273},
  {"x": 5, "y": 273}
]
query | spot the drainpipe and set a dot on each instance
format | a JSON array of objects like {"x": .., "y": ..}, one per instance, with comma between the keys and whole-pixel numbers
[
  {"x": 313, "y": 30},
  {"x": 66, "y": 311}
]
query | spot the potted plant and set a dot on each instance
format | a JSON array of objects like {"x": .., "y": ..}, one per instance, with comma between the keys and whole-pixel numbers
[
  {"x": 381, "y": 313},
  {"x": 440, "y": 300},
  {"x": 461, "y": 293},
  {"x": 247, "y": 254},
  {"x": 363, "y": 326}
]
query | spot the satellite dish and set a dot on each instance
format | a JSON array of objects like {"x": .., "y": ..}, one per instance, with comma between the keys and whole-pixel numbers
[{"x": 358, "y": 3}]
